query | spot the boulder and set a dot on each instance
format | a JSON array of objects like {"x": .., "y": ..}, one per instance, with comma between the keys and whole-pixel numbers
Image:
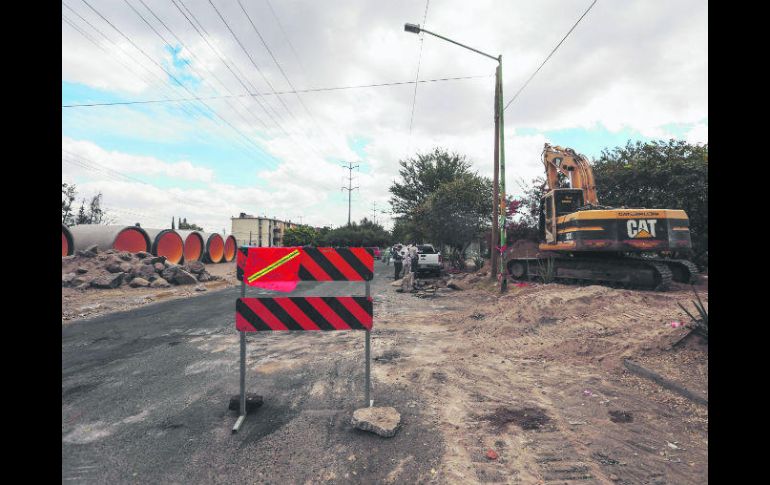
[
  {"x": 204, "y": 276},
  {"x": 125, "y": 267},
  {"x": 111, "y": 251},
  {"x": 139, "y": 282},
  {"x": 93, "y": 249},
  {"x": 108, "y": 281},
  {"x": 66, "y": 280},
  {"x": 195, "y": 267},
  {"x": 200, "y": 288},
  {"x": 182, "y": 277},
  {"x": 159, "y": 267},
  {"x": 143, "y": 254},
  {"x": 169, "y": 273},
  {"x": 144, "y": 271},
  {"x": 125, "y": 256},
  {"x": 85, "y": 254},
  {"x": 158, "y": 259},
  {"x": 81, "y": 270},
  {"x": 382, "y": 421},
  {"x": 160, "y": 283},
  {"x": 454, "y": 286},
  {"x": 115, "y": 267}
]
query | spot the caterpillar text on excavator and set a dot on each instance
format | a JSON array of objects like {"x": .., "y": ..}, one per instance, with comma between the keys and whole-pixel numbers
[{"x": 584, "y": 242}]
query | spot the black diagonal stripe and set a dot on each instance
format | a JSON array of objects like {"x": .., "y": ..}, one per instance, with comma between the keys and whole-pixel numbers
[
  {"x": 250, "y": 316},
  {"x": 305, "y": 275},
  {"x": 343, "y": 312},
  {"x": 280, "y": 314},
  {"x": 355, "y": 263},
  {"x": 325, "y": 264},
  {"x": 244, "y": 250},
  {"x": 312, "y": 313},
  {"x": 365, "y": 303}
]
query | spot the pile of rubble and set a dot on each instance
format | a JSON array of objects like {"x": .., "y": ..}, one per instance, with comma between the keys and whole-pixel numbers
[
  {"x": 425, "y": 288},
  {"x": 91, "y": 268}
]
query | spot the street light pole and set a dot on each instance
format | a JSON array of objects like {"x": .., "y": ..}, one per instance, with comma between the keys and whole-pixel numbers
[{"x": 498, "y": 182}]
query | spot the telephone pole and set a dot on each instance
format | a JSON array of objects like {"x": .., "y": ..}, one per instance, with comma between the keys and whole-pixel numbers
[
  {"x": 350, "y": 187},
  {"x": 374, "y": 212}
]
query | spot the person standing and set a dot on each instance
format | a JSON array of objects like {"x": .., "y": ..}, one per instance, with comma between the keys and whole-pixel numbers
[{"x": 397, "y": 260}]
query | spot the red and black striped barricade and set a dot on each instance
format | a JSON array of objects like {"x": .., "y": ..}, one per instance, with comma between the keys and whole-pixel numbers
[{"x": 280, "y": 269}]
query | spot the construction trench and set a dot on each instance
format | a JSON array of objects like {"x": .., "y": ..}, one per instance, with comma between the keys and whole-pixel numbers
[{"x": 177, "y": 247}]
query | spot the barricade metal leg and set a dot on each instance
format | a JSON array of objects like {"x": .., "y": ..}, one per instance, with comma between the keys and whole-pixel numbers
[
  {"x": 367, "y": 352},
  {"x": 242, "y": 416}
]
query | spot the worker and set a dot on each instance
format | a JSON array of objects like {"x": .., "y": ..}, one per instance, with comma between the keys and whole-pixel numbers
[
  {"x": 397, "y": 260},
  {"x": 386, "y": 256}
]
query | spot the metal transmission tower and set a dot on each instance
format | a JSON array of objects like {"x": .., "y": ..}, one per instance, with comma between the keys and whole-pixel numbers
[
  {"x": 350, "y": 187},
  {"x": 374, "y": 212}
]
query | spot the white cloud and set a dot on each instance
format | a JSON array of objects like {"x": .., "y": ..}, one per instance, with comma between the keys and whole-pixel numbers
[{"x": 699, "y": 134}]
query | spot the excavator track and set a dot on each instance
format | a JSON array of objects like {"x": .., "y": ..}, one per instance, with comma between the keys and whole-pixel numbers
[
  {"x": 683, "y": 271},
  {"x": 628, "y": 272}
]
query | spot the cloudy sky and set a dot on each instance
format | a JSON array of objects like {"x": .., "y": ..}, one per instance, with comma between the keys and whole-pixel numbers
[{"x": 630, "y": 70}]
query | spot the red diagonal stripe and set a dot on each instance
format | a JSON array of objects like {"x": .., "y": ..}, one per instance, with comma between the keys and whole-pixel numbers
[
  {"x": 243, "y": 325},
  {"x": 305, "y": 322},
  {"x": 313, "y": 268},
  {"x": 329, "y": 314},
  {"x": 364, "y": 256},
  {"x": 358, "y": 312},
  {"x": 341, "y": 265},
  {"x": 265, "y": 314}
]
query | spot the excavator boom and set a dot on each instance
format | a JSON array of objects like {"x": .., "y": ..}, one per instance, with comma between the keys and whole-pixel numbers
[{"x": 570, "y": 163}]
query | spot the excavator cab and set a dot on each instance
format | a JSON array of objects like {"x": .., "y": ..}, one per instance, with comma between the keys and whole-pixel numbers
[{"x": 557, "y": 203}]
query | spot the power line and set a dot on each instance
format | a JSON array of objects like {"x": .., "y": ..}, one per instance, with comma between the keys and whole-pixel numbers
[
  {"x": 310, "y": 90},
  {"x": 549, "y": 56}
]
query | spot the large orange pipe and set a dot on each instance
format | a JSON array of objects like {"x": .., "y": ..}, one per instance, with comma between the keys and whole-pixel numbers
[
  {"x": 167, "y": 243},
  {"x": 123, "y": 238},
  {"x": 194, "y": 245},
  {"x": 215, "y": 248},
  {"x": 67, "y": 245},
  {"x": 230, "y": 246}
]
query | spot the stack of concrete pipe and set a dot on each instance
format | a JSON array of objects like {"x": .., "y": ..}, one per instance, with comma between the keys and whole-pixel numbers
[{"x": 177, "y": 246}]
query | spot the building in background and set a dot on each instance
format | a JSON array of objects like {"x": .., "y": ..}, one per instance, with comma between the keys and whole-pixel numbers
[{"x": 259, "y": 231}]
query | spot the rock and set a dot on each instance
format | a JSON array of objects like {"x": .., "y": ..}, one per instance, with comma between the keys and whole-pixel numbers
[
  {"x": 108, "y": 281},
  {"x": 160, "y": 283},
  {"x": 111, "y": 251},
  {"x": 170, "y": 272},
  {"x": 85, "y": 254},
  {"x": 93, "y": 249},
  {"x": 382, "y": 421},
  {"x": 66, "y": 280},
  {"x": 182, "y": 277},
  {"x": 454, "y": 286},
  {"x": 397, "y": 283},
  {"x": 200, "y": 288},
  {"x": 125, "y": 256},
  {"x": 158, "y": 259},
  {"x": 81, "y": 270},
  {"x": 204, "y": 276},
  {"x": 196, "y": 267},
  {"x": 80, "y": 281},
  {"x": 159, "y": 267},
  {"x": 143, "y": 254},
  {"x": 125, "y": 267},
  {"x": 115, "y": 268},
  {"x": 144, "y": 271},
  {"x": 139, "y": 282},
  {"x": 147, "y": 261}
]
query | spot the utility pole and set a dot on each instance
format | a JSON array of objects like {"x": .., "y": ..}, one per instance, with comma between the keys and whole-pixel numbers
[
  {"x": 374, "y": 212},
  {"x": 350, "y": 187}
]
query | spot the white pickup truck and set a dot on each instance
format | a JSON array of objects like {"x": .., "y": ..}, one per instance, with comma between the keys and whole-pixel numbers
[{"x": 428, "y": 260}]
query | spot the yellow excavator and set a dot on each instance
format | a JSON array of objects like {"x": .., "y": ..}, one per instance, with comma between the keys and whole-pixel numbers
[{"x": 584, "y": 242}]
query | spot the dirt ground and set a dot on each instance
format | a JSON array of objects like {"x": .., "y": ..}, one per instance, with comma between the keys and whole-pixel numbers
[
  {"x": 537, "y": 377},
  {"x": 91, "y": 302},
  {"x": 527, "y": 387}
]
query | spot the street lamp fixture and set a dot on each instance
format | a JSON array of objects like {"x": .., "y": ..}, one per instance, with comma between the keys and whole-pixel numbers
[{"x": 498, "y": 204}]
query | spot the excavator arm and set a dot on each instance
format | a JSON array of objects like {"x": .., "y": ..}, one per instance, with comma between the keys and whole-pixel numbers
[{"x": 565, "y": 160}]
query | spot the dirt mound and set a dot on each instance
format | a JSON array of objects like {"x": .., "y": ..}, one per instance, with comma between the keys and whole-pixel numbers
[{"x": 112, "y": 269}]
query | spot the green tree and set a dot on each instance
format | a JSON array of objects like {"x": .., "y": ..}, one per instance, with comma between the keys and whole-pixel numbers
[
  {"x": 366, "y": 233},
  {"x": 300, "y": 236},
  {"x": 92, "y": 213},
  {"x": 457, "y": 212},
  {"x": 659, "y": 175},
  {"x": 422, "y": 175},
  {"x": 184, "y": 225},
  {"x": 68, "y": 192}
]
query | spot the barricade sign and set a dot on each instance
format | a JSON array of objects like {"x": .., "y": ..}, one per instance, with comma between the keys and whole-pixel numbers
[{"x": 280, "y": 269}]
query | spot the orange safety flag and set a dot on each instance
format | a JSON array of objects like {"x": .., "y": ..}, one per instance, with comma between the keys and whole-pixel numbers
[{"x": 274, "y": 269}]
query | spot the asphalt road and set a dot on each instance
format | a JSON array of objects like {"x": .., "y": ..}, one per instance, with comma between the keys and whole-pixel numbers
[{"x": 145, "y": 396}]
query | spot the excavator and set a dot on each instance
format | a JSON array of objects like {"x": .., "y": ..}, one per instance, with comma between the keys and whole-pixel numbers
[{"x": 582, "y": 241}]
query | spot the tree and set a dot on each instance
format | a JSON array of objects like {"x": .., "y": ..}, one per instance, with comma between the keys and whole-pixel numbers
[
  {"x": 184, "y": 225},
  {"x": 92, "y": 213},
  {"x": 300, "y": 236},
  {"x": 457, "y": 211},
  {"x": 659, "y": 175},
  {"x": 67, "y": 198},
  {"x": 366, "y": 233},
  {"x": 422, "y": 175}
]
